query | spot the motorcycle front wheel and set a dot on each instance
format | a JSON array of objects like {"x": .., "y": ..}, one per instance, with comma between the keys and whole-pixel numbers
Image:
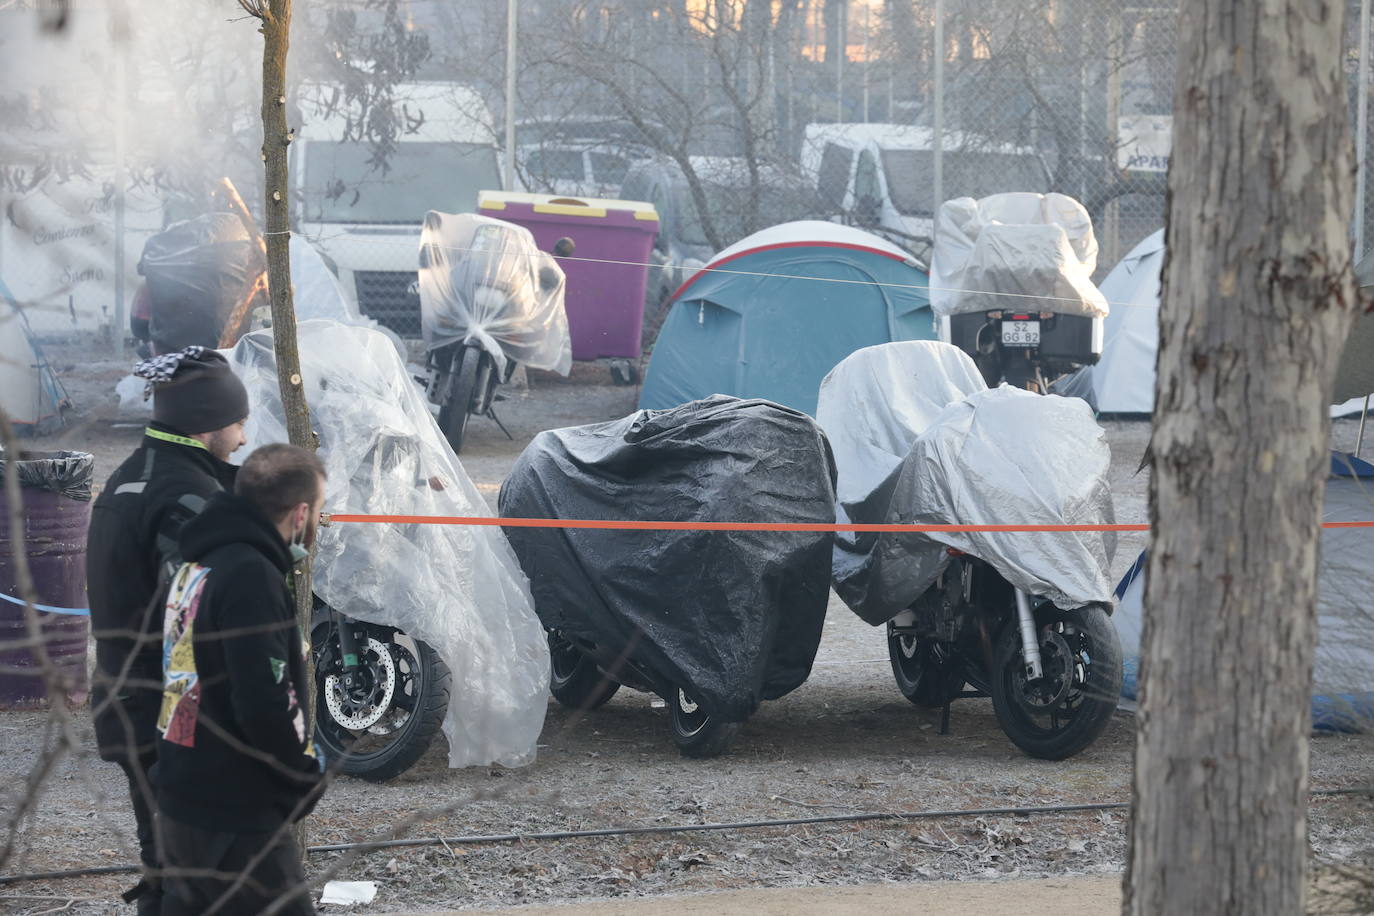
[
  {"x": 382, "y": 721},
  {"x": 463, "y": 394},
  {"x": 1061, "y": 713},
  {"x": 696, "y": 732}
]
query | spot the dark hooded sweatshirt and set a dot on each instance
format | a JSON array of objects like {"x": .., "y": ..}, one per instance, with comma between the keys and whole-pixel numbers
[
  {"x": 132, "y": 546},
  {"x": 234, "y": 755}
]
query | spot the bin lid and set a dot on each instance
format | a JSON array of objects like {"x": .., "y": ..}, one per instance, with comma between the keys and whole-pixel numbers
[{"x": 492, "y": 202}]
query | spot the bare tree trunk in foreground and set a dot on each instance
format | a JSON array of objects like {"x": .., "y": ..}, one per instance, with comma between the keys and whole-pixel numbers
[
  {"x": 1257, "y": 298},
  {"x": 275, "y": 16}
]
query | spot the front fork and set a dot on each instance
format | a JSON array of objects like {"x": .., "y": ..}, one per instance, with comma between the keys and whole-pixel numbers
[
  {"x": 348, "y": 647},
  {"x": 1030, "y": 644}
]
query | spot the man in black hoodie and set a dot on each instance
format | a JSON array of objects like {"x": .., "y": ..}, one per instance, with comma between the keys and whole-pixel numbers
[
  {"x": 235, "y": 765},
  {"x": 199, "y": 407}
]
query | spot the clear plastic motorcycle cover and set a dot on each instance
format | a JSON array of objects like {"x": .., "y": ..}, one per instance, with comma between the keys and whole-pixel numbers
[
  {"x": 485, "y": 281},
  {"x": 458, "y": 588},
  {"x": 197, "y": 271},
  {"x": 1015, "y": 251},
  {"x": 982, "y": 457},
  {"x": 732, "y": 617}
]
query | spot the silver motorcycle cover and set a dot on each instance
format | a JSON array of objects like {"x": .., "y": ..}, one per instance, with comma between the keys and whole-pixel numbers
[
  {"x": 458, "y": 588},
  {"x": 919, "y": 439}
]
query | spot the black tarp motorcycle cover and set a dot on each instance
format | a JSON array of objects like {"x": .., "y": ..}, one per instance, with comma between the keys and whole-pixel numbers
[
  {"x": 197, "y": 271},
  {"x": 734, "y": 617}
]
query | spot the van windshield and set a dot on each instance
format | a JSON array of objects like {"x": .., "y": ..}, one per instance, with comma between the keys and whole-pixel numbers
[
  {"x": 341, "y": 185},
  {"x": 910, "y": 176}
]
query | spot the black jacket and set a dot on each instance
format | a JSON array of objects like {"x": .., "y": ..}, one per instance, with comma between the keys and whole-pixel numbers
[
  {"x": 135, "y": 525},
  {"x": 234, "y": 754}
]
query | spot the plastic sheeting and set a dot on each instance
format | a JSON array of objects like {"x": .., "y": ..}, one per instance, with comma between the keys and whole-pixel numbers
[
  {"x": 920, "y": 440},
  {"x": 458, "y": 588},
  {"x": 1343, "y": 673},
  {"x": 66, "y": 473},
  {"x": 1034, "y": 252},
  {"x": 732, "y": 617},
  {"x": 485, "y": 281},
  {"x": 197, "y": 271}
]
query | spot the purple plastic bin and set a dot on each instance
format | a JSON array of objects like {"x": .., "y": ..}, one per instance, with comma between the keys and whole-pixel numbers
[
  {"x": 55, "y": 526},
  {"x": 605, "y": 302}
]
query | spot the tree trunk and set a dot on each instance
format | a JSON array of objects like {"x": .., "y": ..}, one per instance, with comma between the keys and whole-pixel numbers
[
  {"x": 1257, "y": 298},
  {"x": 276, "y": 141}
]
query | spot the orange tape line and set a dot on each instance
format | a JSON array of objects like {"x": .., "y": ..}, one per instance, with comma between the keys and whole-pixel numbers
[{"x": 610, "y": 524}]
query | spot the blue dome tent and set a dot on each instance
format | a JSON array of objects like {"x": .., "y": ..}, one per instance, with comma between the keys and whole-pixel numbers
[{"x": 769, "y": 316}]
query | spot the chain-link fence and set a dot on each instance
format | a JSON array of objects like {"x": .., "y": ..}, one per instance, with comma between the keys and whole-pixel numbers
[{"x": 727, "y": 115}]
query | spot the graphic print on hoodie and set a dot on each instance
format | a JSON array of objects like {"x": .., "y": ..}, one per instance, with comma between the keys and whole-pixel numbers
[{"x": 181, "y": 682}]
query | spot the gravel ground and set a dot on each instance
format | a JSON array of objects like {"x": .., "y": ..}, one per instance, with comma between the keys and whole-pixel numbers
[{"x": 844, "y": 742}]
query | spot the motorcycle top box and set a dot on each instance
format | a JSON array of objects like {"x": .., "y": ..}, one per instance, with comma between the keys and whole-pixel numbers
[
  {"x": 712, "y": 621},
  {"x": 1011, "y": 285}
]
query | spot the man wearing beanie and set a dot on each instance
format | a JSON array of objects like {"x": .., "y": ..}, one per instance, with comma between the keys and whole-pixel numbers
[{"x": 199, "y": 408}]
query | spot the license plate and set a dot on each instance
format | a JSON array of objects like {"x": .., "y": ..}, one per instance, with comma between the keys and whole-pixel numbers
[{"x": 1020, "y": 333}]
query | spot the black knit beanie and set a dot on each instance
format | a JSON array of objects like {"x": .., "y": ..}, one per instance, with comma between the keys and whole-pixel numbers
[{"x": 194, "y": 390}]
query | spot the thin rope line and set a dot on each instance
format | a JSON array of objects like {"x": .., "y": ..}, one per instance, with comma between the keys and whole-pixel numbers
[{"x": 755, "y": 273}]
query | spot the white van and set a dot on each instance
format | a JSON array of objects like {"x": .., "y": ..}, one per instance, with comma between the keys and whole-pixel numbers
[
  {"x": 364, "y": 218},
  {"x": 880, "y": 176}
]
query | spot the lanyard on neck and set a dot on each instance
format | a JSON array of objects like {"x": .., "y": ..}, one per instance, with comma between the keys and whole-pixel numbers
[{"x": 173, "y": 437}]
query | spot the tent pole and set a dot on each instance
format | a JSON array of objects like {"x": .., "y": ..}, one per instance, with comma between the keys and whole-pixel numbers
[{"x": 1364, "y": 415}]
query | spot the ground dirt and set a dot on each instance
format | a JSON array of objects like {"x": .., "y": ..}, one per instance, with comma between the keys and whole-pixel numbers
[{"x": 845, "y": 742}]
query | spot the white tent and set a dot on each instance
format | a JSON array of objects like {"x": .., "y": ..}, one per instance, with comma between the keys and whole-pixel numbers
[
  {"x": 29, "y": 393},
  {"x": 1123, "y": 381}
]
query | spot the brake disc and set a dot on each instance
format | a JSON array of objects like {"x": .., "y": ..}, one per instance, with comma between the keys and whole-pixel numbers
[{"x": 360, "y": 708}]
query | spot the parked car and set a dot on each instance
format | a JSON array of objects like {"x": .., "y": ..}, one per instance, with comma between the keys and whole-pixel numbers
[
  {"x": 365, "y": 217},
  {"x": 880, "y": 176},
  {"x": 683, "y": 246},
  {"x": 576, "y": 168}
]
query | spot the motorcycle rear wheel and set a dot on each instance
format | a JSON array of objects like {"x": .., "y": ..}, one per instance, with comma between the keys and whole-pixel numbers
[
  {"x": 377, "y": 744},
  {"x": 1063, "y": 712},
  {"x": 574, "y": 679},
  {"x": 696, "y": 732},
  {"x": 924, "y": 673}
]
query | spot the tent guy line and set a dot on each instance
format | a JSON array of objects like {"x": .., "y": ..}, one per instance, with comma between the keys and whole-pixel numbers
[{"x": 754, "y": 273}]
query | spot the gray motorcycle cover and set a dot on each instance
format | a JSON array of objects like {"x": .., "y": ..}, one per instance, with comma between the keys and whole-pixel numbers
[{"x": 919, "y": 439}]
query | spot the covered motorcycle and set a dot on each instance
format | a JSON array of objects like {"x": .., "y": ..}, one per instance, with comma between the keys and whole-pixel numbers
[
  {"x": 920, "y": 440},
  {"x": 713, "y": 621},
  {"x": 445, "y": 628},
  {"x": 485, "y": 281},
  {"x": 1011, "y": 285},
  {"x": 198, "y": 272},
  {"x": 489, "y": 299}
]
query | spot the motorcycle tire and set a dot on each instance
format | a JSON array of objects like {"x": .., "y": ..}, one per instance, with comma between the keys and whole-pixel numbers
[
  {"x": 431, "y": 685},
  {"x": 923, "y": 675},
  {"x": 453, "y": 415},
  {"x": 574, "y": 679},
  {"x": 697, "y": 733},
  {"x": 1066, "y": 710}
]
